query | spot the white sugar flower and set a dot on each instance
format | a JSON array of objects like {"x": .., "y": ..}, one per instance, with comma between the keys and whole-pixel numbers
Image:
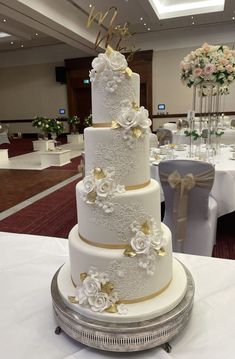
[
  {"x": 117, "y": 61},
  {"x": 103, "y": 278},
  {"x": 111, "y": 86},
  {"x": 107, "y": 75},
  {"x": 140, "y": 243},
  {"x": 118, "y": 76},
  {"x": 113, "y": 297},
  {"x": 92, "y": 75},
  {"x": 127, "y": 118},
  {"x": 91, "y": 286},
  {"x": 82, "y": 298},
  {"x": 142, "y": 118},
  {"x": 108, "y": 207},
  {"x": 122, "y": 309},
  {"x": 99, "y": 302},
  {"x": 89, "y": 183},
  {"x": 99, "y": 62},
  {"x": 120, "y": 189},
  {"x": 104, "y": 187},
  {"x": 135, "y": 226},
  {"x": 93, "y": 272}
]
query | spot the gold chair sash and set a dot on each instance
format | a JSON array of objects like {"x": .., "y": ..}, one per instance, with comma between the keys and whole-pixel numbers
[{"x": 182, "y": 186}]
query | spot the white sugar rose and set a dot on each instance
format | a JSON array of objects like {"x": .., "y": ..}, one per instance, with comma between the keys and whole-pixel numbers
[
  {"x": 82, "y": 298},
  {"x": 127, "y": 118},
  {"x": 91, "y": 286},
  {"x": 99, "y": 63},
  {"x": 89, "y": 183},
  {"x": 104, "y": 187},
  {"x": 140, "y": 243},
  {"x": 117, "y": 61},
  {"x": 142, "y": 118},
  {"x": 99, "y": 302}
]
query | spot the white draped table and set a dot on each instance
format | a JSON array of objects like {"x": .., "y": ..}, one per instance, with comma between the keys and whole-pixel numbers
[
  {"x": 223, "y": 189},
  {"x": 4, "y": 138},
  {"x": 27, "y": 265}
]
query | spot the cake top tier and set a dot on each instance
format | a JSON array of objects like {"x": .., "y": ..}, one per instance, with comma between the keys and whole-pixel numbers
[{"x": 112, "y": 83}]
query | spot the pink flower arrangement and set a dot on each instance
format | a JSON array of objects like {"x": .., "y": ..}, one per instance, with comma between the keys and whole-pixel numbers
[{"x": 208, "y": 63}]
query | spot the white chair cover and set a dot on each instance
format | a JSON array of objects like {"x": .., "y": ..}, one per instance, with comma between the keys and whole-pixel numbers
[
  {"x": 170, "y": 125},
  {"x": 190, "y": 211},
  {"x": 153, "y": 140}
]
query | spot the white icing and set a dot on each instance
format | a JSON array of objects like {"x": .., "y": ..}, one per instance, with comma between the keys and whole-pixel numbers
[
  {"x": 129, "y": 280},
  {"x": 106, "y": 104},
  {"x": 96, "y": 226},
  {"x": 146, "y": 310},
  {"x": 106, "y": 147}
]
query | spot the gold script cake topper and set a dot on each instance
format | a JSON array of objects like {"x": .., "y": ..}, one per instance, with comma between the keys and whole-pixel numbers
[{"x": 111, "y": 34}]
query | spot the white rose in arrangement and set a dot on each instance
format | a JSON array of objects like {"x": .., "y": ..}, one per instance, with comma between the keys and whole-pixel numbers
[
  {"x": 141, "y": 243},
  {"x": 99, "y": 302},
  {"x": 104, "y": 187},
  {"x": 89, "y": 183},
  {"x": 117, "y": 61},
  {"x": 91, "y": 286}
]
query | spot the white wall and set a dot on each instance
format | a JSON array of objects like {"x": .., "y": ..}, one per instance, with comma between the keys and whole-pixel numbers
[
  {"x": 168, "y": 88},
  {"x": 27, "y": 91}
]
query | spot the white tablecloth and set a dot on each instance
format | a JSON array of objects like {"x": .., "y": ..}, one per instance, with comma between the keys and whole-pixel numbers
[
  {"x": 27, "y": 265},
  {"x": 4, "y": 138},
  {"x": 223, "y": 189}
]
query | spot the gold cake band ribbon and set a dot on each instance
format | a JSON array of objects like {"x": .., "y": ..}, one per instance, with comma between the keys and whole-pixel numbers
[
  {"x": 141, "y": 299},
  {"x": 182, "y": 186},
  {"x": 137, "y": 186},
  {"x": 102, "y": 124},
  {"x": 103, "y": 245}
]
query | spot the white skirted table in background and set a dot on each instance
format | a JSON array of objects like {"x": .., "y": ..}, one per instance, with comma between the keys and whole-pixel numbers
[
  {"x": 4, "y": 155},
  {"x": 75, "y": 139},
  {"x": 55, "y": 158},
  {"x": 4, "y": 138},
  {"x": 27, "y": 330},
  {"x": 43, "y": 145}
]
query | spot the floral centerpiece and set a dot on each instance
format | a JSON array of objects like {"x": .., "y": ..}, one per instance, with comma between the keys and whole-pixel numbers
[
  {"x": 88, "y": 121},
  {"x": 74, "y": 121},
  {"x": 48, "y": 125},
  {"x": 215, "y": 64}
]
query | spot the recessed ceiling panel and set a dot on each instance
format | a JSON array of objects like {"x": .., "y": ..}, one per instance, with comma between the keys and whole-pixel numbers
[{"x": 166, "y": 9}]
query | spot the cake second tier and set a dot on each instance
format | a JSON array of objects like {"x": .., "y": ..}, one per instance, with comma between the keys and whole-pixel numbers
[{"x": 106, "y": 147}]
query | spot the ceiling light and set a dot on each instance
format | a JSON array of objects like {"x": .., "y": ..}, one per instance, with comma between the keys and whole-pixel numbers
[
  {"x": 90, "y": 5},
  {"x": 12, "y": 42},
  {"x": 4, "y": 20},
  {"x": 4, "y": 34},
  {"x": 36, "y": 34},
  {"x": 141, "y": 19},
  {"x": 22, "y": 45},
  {"x": 170, "y": 9},
  {"x": 193, "y": 23},
  {"x": 145, "y": 24},
  {"x": 191, "y": 17},
  {"x": 149, "y": 29},
  {"x": 233, "y": 18}
]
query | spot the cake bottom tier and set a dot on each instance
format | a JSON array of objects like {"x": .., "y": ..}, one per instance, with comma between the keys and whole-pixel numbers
[
  {"x": 134, "y": 277},
  {"x": 137, "y": 312}
]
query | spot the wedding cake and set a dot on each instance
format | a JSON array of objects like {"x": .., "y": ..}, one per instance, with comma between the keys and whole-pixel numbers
[{"x": 120, "y": 265}]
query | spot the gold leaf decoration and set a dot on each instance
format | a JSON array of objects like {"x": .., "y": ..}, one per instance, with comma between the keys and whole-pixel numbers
[
  {"x": 112, "y": 308},
  {"x": 72, "y": 299},
  {"x": 109, "y": 50},
  {"x": 115, "y": 124},
  {"x": 135, "y": 106},
  {"x": 83, "y": 276},
  {"x": 99, "y": 173},
  {"x": 161, "y": 252},
  {"x": 128, "y": 71},
  {"x": 107, "y": 287},
  {"x": 91, "y": 196},
  {"x": 136, "y": 131},
  {"x": 129, "y": 252},
  {"x": 145, "y": 228}
]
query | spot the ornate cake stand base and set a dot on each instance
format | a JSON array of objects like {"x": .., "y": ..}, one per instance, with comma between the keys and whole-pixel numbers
[{"x": 123, "y": 337}]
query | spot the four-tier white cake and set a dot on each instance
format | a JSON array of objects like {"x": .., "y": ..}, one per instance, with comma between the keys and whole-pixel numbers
[{"x": 120, "y": 266}]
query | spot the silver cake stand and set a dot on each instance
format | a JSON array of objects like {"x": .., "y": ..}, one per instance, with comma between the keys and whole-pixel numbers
[{"x": 119, "y": 337}]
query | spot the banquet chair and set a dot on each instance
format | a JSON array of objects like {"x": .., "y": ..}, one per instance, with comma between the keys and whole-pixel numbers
[
  {"x": 164, "y": 134},
  {"x": 232, "y": 123},
  {"x": 153, "y": 140},
  {"x": 190, "y": 211}
]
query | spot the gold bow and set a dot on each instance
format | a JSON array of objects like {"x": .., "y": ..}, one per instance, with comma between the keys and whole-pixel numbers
[{"x": 182, "y": 185}]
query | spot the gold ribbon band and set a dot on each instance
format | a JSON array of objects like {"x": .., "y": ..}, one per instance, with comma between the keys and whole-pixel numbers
[
  {"x": 102, "y": 124},
  {"x": 138, "y": 300},
  {"x": 137, "y": 186},
  {"x": 103, "y": 245}
]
